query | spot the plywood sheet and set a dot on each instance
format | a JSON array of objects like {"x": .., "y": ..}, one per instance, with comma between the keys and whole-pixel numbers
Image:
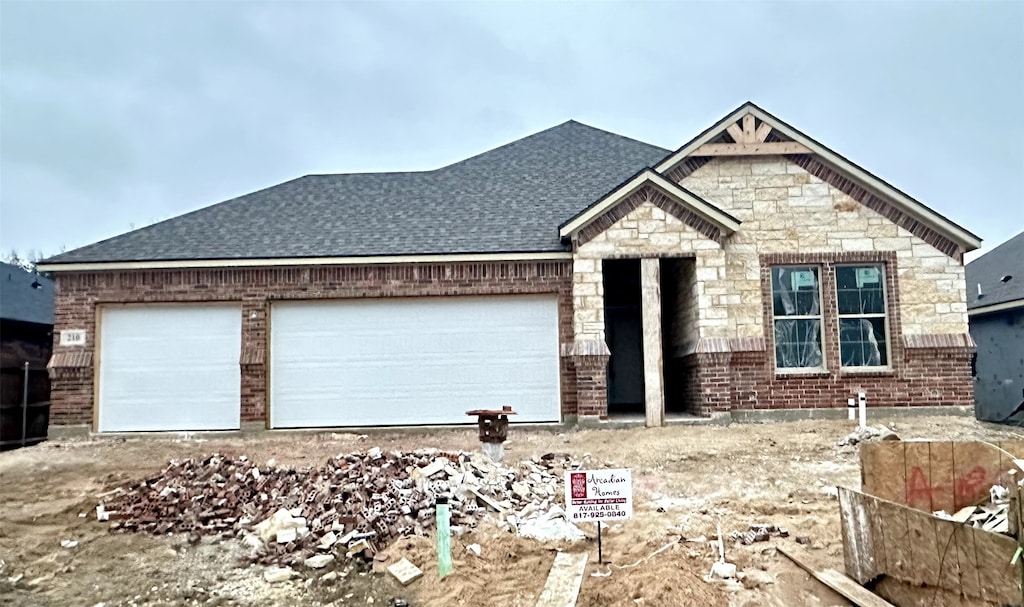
[
  {"x": 922, "y": 538},
  {"x": 999, "y": 580},
  {"x": 858, "y": 542},
  {"x": 975, "y": 466},
  {"x": 918, "y": 465},
  {"x": 970, "y": 583},
  {"x": 941, "y": 455},
  {"x": 883, "y": 470}
]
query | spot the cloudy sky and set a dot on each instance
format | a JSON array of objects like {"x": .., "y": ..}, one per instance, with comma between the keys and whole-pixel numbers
[{"x": 114, "y": 115}]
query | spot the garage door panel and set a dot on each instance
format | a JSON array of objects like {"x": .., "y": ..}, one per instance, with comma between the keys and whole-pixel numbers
[
  {"x": 413, "y": 361},
  {"x": 170, "y": 368}
]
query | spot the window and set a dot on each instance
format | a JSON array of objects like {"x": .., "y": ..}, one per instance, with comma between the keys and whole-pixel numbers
[
  {"x": 796, "y": 297},
  {"x": 860, "y": 297}
]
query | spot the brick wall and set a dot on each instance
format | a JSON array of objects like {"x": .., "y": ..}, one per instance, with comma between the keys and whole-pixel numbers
[{"x": 81, "y": 295}]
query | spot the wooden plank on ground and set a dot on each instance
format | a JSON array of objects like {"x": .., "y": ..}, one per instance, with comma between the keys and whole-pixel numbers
[
  {"x": 941, "y": 455},
  {"x": 564, "y": 580},
  {"x": 919, "y": 487},
  {"x": 883, "y": 470},
  {"x": 842, "y": 584}
]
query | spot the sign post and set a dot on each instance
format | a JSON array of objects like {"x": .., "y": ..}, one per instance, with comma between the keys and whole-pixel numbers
[{"x": 599, "y": 496}]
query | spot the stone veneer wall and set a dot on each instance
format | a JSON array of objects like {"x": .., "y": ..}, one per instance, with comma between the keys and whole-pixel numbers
[{"x": 786, "y": 210}]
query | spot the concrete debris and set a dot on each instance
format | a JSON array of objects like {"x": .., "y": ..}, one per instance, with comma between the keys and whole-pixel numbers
[
  {"x": 803, "y": 540},
  {"x": 329, "y": 578},
  {"x": 353, "y": 505},
  {"x": 867, "y": 434},
  {"x": 319, "y": 561},
  {"x": 68, "y": 543},
  {"x": 274, "y": 575},
  {"x": 722, "y": 570},
  {"x": 474, "y": 549},
  {"x": 405, "y": 572}
]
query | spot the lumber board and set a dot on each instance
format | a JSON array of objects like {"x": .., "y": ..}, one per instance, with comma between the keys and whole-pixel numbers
[
  {"x": 917, "y": 463},
  {"x": 841, "y": 583},
  {"x": 735, "y": 132},
  {"x": 763, "y": 131},
  {"x": 858, "y": 542},
  {"x": 564, "y": 581},
  {"x": 942, "y": 476},
  {"x": 751, "y": 149}
]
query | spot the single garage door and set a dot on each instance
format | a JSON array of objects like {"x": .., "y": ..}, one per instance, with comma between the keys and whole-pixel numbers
[
  {"x": 169, "y": 368},
  {"x": 412, "y": 360}
]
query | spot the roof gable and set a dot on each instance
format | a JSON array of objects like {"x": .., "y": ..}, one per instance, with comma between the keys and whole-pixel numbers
[
  {"x": 673, "y": 198},
  {"x": 749, "y": 130}
]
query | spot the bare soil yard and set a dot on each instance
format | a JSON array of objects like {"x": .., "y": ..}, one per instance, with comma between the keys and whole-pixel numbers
[{"x": 687, "y": 480}]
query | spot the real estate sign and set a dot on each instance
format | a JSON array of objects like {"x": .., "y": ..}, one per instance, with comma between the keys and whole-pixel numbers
[{"x": 598, "y": 495}]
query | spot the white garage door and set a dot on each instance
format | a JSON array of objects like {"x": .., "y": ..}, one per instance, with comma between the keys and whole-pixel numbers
[
  {"x": 413, "y": 360},
  {"x": 169, "y": 368}
]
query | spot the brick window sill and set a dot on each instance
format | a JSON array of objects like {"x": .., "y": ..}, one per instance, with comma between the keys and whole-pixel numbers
[
  {"x": 867, "y": 373},
  {"x": 801, "y": 373}
]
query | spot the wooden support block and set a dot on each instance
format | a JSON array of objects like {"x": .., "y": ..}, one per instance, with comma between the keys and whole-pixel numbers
[{"x": 564, "y": 581}]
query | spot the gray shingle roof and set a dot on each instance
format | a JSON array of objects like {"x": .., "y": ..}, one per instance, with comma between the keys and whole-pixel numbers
[
  {"x": 989, "y": 271},
  {"x": 510, "y": 199},
  {"x": 19, "y": 300}
]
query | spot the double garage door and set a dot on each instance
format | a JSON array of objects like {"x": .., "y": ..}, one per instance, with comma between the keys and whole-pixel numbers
[{"x": 332, "y": 363}]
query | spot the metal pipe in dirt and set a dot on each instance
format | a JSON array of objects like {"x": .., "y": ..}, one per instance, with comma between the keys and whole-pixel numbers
[{"x": 24, "y": 404}]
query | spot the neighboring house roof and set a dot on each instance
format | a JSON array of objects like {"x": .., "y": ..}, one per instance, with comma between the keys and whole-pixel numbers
[
  {"x": 715, "y": 132},
  {"x": 20, "y": 300},
  {"x": 1000, "y": 274},
  {"x": 510, "y": 199}
]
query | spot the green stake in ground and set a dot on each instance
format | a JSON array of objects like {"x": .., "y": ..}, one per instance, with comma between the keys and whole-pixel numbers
[{"x": 444, "y": 537}]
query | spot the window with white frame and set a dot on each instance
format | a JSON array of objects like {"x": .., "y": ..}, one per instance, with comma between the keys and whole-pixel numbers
[
  {"x": 796, "y": 313},
  {"x": 860, "y": 298}
]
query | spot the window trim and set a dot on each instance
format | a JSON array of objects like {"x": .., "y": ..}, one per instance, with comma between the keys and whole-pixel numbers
[
  {"x": 820, "y": 317},
  {"x": 884, "y": 315}
]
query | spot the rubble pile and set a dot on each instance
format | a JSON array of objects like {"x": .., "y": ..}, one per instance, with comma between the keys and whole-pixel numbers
[
  {"x": 867, "y": 434},
  {"x": 353, "y": 504},
  {"x": 761, "y": 532},
  {"x": 987, "y": 517}
]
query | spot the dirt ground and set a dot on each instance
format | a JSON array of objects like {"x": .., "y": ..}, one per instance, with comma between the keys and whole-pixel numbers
[{"x": 687, "y": 481}]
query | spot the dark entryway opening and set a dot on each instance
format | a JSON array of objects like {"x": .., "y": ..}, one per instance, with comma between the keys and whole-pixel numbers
[
  {"x": 623, "y": 328},
  {"x": 678, "y": 332}
]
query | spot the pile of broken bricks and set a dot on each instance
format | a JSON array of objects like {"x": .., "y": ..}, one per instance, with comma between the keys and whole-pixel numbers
[{"x": 351, "y": 506}]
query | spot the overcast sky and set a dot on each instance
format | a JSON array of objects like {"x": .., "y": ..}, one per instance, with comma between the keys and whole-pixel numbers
[{"x": 118, "y": 114}]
